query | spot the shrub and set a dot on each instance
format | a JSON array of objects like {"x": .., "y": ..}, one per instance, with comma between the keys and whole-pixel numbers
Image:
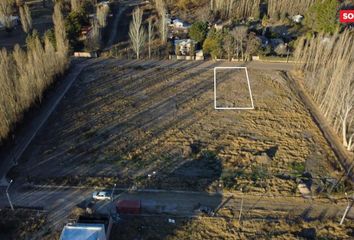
[{"x": 259, "y": 173}]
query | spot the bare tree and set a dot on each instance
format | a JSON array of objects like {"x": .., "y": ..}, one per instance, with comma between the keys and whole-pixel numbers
[
  {"x": 161, "y": 9},
  {"x": 150, "y": 35},
  {"x": 163, "y": 26},
  {"x": 160, "y": 6},
  {"x": 102, "y": 13},
  {"x": 25, "y": 75},
  {"x": 253, "y": 45},
  {"x": 236, "y": 8},
  {"x": 94, "y": 38},
  {"x": 76, "y": 5},
  {"x": 327, "y": 62},
  {"x": 26, "y": 19},
  {"x": 136, "y": 32},
  {"x": 229, "y": 46},
  {"x": 279, "y": 7},
  {"x": 62, "y": 43},
  {"x": 240, "y": 35}
]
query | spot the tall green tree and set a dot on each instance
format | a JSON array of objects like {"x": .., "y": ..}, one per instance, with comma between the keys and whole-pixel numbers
[
  {"x": 213, "y": 44},
  {"x": 198, "y": 31},
  {"x": 323, "y": 16},
  {"x": 73, "y": 24}
]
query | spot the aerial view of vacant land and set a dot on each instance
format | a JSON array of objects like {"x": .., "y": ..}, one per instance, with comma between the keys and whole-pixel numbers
[
  {"x": 125, "y": 120},
  {"x": 176, "y": 120}
]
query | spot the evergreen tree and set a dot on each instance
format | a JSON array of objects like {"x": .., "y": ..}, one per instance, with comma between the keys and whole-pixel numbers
[
  {"x": 322, "y": 16},
  {"x": 199, "y": 31}
]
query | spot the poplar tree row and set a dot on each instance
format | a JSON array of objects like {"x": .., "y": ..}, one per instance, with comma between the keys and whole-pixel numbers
[
  {"x": 26, "y": 74},
  {"x": 277, "y": 8},
  {"x": 236, "y": 8},
  {"x": 327, "y": 62}
]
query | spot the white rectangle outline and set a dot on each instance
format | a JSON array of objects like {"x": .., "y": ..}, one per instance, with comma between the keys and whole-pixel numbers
[{"x": 249, "y": 88}]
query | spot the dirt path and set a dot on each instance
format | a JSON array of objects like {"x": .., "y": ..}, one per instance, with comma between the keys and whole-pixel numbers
[
  {"x": 124, "y": 5},
  {"x": 59, "y": 202},
  {"x": 118, "y": 14},
  {"x": 344, "y": 157}
]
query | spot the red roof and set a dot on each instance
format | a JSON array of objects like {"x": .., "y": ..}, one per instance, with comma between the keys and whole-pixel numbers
[{"x": 128, "y": 204}]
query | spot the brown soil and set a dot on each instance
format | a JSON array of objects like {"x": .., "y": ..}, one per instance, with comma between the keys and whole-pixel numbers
[
  {"x": 223, "y": 228},
  {"x": 126, "y": 121}
]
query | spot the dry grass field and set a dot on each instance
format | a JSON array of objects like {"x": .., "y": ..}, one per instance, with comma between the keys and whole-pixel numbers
[
  {"x": 122, "y": 120},
  {"x": 221, "y": 228},
  {"x": 21, "y": 223}
]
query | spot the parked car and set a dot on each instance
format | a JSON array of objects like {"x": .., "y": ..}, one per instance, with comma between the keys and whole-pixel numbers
[{"x": 103, "y": 195}]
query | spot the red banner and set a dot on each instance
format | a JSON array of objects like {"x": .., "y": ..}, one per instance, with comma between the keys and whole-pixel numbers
[{"x": 346, "y": 16}]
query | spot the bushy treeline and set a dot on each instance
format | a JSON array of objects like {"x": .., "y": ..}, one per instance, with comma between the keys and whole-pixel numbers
[
  {"x": 26, "y": 74},
  {"x": 327, "y": 62},
  {"x": 236, "y": 43}
]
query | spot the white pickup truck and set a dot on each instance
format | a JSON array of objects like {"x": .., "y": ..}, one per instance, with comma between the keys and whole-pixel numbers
[{"x": 101, "y": 195}]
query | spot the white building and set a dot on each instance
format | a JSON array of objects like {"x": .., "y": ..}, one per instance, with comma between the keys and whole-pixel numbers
[
  {"x": 184, "y": 46},
  {"x": 297, "y": 18},
  {"x": 82, "y": 231},
  {"x": 177, "y": 23}
]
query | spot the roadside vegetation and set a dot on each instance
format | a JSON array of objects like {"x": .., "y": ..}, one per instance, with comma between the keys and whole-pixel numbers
[
  {"x": 230, "y": 228},
  {"x": 21, "y": 223}
]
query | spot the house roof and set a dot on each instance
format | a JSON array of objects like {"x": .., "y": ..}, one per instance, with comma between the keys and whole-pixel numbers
[
  {"x": 183, "y": 41},
  {"x": 176, "y": 20},
  {"x": 81, "y": 231},
  {"x": 129, "y": 204},
  {"x": 297, "y": 18},
  {"x": 179, "y": 21}
]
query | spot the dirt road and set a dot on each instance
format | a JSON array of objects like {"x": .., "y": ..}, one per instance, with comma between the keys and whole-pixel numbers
[
  {"x": 121, "y": 9},
  {"x": 59, "y": 202}
]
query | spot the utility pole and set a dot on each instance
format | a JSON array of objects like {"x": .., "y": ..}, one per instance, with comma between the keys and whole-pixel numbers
[
  {"x": 113, "y": 192},
  {"x": 288, "y": 53},
  {"x": 346, "y": 210},
  {"x": 13, "y": 156},
  {"x": 150, "y": 29},
  {"x": 239, "y": 217},
  {"x": 8, "y": 195}
]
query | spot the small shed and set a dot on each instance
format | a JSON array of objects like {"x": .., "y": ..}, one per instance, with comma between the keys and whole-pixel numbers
[
  {"x": 84, "y": 232},
  {"x": 128, "y": 206}
]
